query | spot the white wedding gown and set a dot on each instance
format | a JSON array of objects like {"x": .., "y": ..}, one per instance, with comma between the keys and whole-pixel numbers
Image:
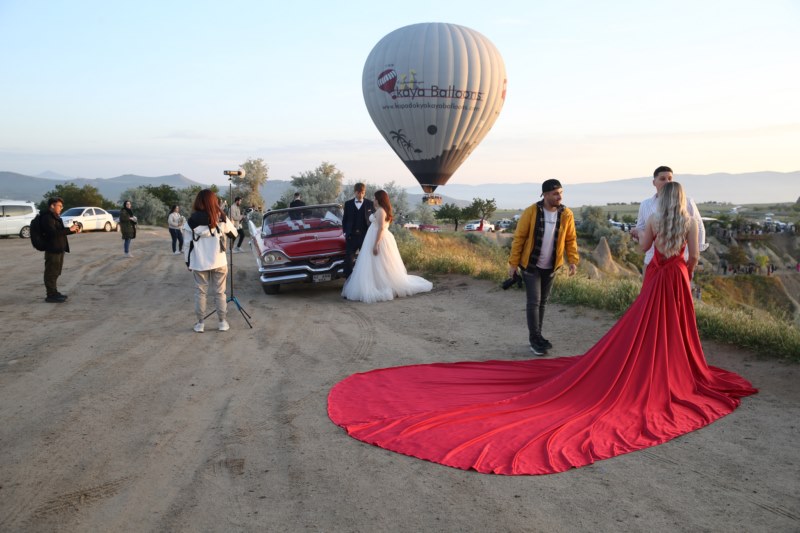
[{"x": 377, "y": 278}]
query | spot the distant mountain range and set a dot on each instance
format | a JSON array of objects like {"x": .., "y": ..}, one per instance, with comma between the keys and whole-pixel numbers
[{"x": 749, "y": 188}]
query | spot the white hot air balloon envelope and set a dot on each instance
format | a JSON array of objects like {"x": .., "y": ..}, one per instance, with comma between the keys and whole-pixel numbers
[{"x": 434, "y": 91}]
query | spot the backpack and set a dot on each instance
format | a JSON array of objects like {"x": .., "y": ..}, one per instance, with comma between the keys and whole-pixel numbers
[{"x": 37, "y": 234}]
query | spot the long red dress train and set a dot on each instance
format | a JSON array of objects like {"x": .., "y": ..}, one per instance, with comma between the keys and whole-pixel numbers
[{"x": 644, "y": 383}]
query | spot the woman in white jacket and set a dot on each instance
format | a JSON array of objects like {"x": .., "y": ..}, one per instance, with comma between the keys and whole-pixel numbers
[{"x": 205, "y": 233}]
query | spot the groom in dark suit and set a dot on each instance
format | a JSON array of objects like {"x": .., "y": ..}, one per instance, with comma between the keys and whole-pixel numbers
[{"x": 355, "y": 223}]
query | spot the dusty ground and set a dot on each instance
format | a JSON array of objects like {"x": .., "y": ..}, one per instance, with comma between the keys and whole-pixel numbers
[{"x": 115, "y": 416}]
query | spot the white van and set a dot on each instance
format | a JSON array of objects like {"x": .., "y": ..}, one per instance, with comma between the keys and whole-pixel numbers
[{"x": 15, "y": 218}]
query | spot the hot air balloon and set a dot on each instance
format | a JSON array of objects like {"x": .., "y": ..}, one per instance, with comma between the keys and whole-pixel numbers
[{"x": 434, "y": 91}]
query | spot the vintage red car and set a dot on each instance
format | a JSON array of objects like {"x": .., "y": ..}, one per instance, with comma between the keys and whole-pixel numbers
[{"x": 299, "y": 245}]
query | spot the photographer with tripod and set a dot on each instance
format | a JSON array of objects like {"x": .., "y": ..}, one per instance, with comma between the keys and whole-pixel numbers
[{"x": 206, "y": 233}]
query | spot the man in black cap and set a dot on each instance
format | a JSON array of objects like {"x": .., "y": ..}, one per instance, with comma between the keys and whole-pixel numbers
[{"x": 545, "y": 231}]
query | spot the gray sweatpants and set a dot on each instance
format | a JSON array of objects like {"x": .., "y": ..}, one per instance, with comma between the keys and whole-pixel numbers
[{"x": 213, "y": 281}]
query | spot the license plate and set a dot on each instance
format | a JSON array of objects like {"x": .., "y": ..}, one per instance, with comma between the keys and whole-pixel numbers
[{"x": 321, "y": 277}]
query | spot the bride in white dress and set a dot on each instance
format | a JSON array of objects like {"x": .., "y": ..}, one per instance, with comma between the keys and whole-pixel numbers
[{"x": 380, "y": 274}]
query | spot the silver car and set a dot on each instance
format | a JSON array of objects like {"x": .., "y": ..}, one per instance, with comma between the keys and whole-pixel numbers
[{"x": 15, "y": 218}]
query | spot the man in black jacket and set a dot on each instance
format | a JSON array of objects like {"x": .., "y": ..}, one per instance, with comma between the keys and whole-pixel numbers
[
  {"x": 55, "y": 236},
  {"x": 355, "y": 222}
]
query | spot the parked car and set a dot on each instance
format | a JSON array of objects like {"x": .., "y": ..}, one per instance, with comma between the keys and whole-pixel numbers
[
  {"x": 474, "y": 225},
  {"x": 411, "y": 225},
  {"x": 115, "y": 213},
  {"x": 430, "y": 227},
  {"x": 503, "y": 223},
  {"x": 15, "y": 218},
  {"x": 299, "y": 245},
  {"x": 88, "y": 218}
]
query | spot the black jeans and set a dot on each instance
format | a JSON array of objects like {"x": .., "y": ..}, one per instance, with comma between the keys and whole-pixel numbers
[
  {"x": 538, "y": 282},
  {"x": 53, "y": 261}
]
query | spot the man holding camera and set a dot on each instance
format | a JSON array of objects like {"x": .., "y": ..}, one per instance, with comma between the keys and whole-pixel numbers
[
  {"x": 545, "y": 231},
  {"x": 55, "y": 238}
]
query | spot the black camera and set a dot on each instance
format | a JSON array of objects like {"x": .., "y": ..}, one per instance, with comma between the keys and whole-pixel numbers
[{"x": 512, "y": 280}]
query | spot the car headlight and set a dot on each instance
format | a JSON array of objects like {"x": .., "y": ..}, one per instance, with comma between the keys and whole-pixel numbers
[{"x": 274, "y": 258}]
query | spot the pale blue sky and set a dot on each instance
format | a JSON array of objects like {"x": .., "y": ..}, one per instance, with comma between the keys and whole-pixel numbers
[{"x": 596, "y": 90}]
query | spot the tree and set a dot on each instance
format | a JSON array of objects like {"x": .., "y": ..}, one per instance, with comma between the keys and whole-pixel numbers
[
  {"x": 451, "y": 213},
  {"x": 398, "y": 197},
  {"x": 761, "y": 261},
  {"x": 186, "y": 198},
  {"x": 424, "y": 214},
  {"x": 75, "y": 196},
  {"x": 249, "y": 185},
  {"x": 147, "y": 208},
  {"x": 319, "y": 186},
  {"x": 737, "y": 256},
  {"x": 166, "y": 193},
  {"x": 592, "y": 219},
  {"x": 481, "y": 208}
]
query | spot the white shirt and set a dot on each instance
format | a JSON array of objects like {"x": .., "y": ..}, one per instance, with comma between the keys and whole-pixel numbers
[
  {"x": 648, "y": 208},
  {"x": 546, "y": 253},
  {"x": 358, "y": 203}
]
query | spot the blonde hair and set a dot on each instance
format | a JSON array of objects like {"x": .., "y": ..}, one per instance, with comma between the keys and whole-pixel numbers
[{"x": 672, "y": 219}]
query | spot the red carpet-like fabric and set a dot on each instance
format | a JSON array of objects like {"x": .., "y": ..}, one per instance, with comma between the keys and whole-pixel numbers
[{"x": 644, "y": 383}]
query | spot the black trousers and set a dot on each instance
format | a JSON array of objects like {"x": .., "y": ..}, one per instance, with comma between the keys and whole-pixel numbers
[
  {"x": 53, "y": 261},
  {"x": 538, "y": 283},
  {"x": 353, "y": 243}
]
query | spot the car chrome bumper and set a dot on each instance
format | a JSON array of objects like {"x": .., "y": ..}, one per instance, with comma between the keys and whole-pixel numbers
[{"x": 290, "y": 274}]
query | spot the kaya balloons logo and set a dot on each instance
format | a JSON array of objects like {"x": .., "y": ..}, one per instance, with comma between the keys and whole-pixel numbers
[
  {"x": 434, "y": 91},
  {"x": 413, "y": 88}
]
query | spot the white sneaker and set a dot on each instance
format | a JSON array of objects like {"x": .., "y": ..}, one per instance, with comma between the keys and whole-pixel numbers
[
  {"x": 176, "y": 252},
  {"x": 224, "y": 326},
  {"x": 237, "y": 250},
  {"x": 128, "y": 255},
  {"x": 199, "y": 327}
]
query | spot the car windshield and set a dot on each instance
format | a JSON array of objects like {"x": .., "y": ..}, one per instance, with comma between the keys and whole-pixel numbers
[
  {"x": 300, "y": 219},
  {"x": 72, "y": 212}
]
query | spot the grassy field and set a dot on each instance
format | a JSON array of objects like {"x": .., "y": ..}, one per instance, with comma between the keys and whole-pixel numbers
[{"x": 484, "y": 257}]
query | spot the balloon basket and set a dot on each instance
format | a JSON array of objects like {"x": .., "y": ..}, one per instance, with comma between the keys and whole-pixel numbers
[{"x": 432, "y": 199}]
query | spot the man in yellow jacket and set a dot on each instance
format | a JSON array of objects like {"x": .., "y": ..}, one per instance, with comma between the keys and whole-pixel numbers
[{"x": 545, "y": 231}]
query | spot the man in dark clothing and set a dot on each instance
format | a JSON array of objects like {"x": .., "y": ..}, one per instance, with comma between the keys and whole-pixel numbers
[
  {"x": 55, "y": 236},
  {"x": 355, "y": 223},
  {"x": 297, "y": 202}
]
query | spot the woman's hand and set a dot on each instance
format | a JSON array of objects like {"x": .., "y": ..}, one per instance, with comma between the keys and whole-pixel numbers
[{"x": 375, "y": 249}]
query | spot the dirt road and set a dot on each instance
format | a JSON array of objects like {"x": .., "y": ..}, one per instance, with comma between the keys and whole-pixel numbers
[{"x": 116, "y": 416}]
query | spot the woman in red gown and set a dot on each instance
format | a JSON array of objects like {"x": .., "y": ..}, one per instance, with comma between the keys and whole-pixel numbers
[{"x": 644, "y": 383}]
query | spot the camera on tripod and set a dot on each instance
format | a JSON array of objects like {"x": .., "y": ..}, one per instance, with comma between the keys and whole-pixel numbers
[{"x": 512, "y": 280}]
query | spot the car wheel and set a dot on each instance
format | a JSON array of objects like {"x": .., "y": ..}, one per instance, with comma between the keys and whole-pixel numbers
[
  {"x": 107, "y": 227},
  {"x": 271, "y": 289},
  {"x": 25, "y": 232}
]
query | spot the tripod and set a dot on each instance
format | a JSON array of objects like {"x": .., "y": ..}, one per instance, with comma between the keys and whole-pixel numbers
[{"x": 232, "y": 297}]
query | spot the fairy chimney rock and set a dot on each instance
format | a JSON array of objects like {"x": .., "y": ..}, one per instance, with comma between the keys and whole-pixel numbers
[{"x": 603, "y": 258}]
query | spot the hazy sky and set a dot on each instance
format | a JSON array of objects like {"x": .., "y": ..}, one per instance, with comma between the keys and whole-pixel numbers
[{"x": 596, "y": 90}]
